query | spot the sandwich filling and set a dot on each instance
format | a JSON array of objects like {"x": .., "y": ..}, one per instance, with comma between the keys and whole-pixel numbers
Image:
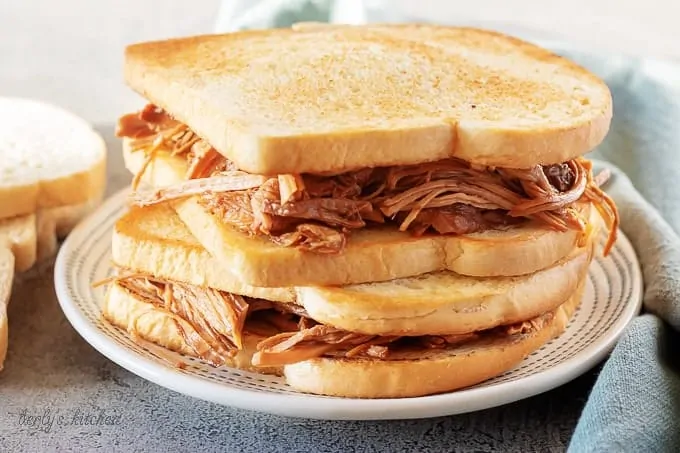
[
  {"x": 317, "y": 212},
  {"x": 213, "y": 324}
]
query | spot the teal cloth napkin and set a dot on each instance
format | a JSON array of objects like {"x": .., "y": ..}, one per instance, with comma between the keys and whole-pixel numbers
[{"x": 635, "y": 403}]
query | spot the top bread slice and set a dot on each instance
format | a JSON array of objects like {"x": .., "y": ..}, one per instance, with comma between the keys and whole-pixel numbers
[
  {"x": 50, "y": 158},
  {"x": 328, "y": 99},
  {"x": 371, "y": 255}
]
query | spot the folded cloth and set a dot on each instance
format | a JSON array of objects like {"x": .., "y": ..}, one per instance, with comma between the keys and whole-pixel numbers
[{"x": 635, "y": 403}]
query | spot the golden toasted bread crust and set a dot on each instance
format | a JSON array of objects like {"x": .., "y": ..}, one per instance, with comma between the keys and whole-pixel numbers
[
  {"x": 378, "y": 254},
  {"x": 352, "y": 97},
  {"x": 444, "y": 303}
]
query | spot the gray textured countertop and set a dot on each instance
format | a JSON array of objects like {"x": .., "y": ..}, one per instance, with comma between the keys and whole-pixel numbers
[{"x": 84, "y": 401}]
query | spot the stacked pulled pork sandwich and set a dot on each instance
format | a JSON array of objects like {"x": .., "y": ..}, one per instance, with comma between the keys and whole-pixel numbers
[{"x": 373, "y": 211}]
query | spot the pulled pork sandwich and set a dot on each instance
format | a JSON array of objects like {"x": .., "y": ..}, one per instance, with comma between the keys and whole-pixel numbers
[{"x": 384, "y": 202}]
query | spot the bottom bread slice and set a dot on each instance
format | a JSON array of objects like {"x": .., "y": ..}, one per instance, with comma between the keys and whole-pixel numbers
[
  {"x": 404, "y": 373},
  {"x": 438, "y": 371}
]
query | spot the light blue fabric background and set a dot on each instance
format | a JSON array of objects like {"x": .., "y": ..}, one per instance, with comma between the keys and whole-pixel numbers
[{"x": 635, "y": 403}]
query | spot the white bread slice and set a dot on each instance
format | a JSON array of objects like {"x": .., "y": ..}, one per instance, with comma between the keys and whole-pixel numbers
[
  {"x": 372, "y": 255},
  {"x": 19, "y": 235},
  {"x": 351, "y": 97},
  {"x": 142, "y": 319},
  {"x": 51, "y": 158},
  {"x": 404, "y": 375},
  {"x": 6, "y": 279},
  {"x": 53, "y": 224},
  {"x": 33, "y": 238},
  {"x": 27, "y": 239},
  {"x": 438, "y": 371},
  {"x": 154, "y": 241}
]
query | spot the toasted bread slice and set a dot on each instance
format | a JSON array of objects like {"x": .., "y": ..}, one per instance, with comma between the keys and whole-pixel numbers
[
  {"x": 372, "y": 254},
  {"x": 417, "y": 374},
  {"x": 154, "y": 241},
  {"x": 403, "y": 374},
  {"x": 351, "y": 97},
  {"x": 142, "y": 319},
  {"x": 6, "y": 279},
  {"x": 378, "y": 254},
  {"x": 51, "y": 158},
  {"x": 445, "y": 303}
]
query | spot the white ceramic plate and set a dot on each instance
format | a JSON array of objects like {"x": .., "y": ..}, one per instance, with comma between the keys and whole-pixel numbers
[{"x": 612, "y": 298}]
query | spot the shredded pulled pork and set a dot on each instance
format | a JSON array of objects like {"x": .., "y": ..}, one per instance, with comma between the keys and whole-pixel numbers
[
  {"x": 152, "y": 129},
  {"x": 211, "y": 322},
  {"x": 321, "y": 340},
  {"x": 230, "y": 181},
  {"x": 603, "y": 203},
  {"x": 313, "y": 237},
  {"x": 526, "y": 327},
  {"x": 318, "y": 212},
  {"x": 459, "y": 219}
]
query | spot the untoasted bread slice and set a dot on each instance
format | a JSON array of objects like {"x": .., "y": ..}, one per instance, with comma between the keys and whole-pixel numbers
[
  {"x": 372, "y": 254},
  {"x": 33, "y": 237},
  {"x": 154, "y": 241},
  {"x": 351, "y": 97},
  {"x": 6, "y": 279},
  {"x": 51, "y": 158},
  {"x": 27, "y": 239},
  {"x": 56, "y": 223},
  {"x": 19, "y": 235},
  {"x": 142, "y": 319}
]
